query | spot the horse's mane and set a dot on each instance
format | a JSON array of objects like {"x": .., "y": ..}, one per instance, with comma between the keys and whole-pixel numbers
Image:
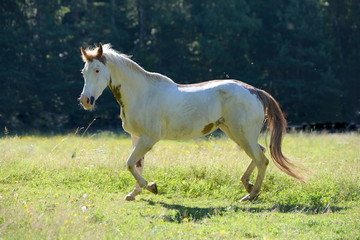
[{"x": 119, "y": 59}]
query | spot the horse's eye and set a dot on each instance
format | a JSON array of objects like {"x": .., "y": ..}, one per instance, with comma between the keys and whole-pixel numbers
[{"x": 97, "y": 71}]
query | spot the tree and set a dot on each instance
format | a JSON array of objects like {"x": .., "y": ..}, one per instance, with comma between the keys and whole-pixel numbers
[
  {"x": 342, "y": 20},
  {"x": 222, "y": 32},
  {"x": 305, "y": 53},
  {"x": 292, "y": 56}
]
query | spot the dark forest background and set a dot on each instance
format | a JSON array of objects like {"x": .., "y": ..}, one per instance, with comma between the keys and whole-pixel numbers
[{"x": 306, "y": 53}]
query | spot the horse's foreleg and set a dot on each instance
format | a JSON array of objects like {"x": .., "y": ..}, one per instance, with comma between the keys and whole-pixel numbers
[
  {"x": 137, "y": 190},
  {"x": 139, "y": 167},
  {"x": 135, "y": 166}
]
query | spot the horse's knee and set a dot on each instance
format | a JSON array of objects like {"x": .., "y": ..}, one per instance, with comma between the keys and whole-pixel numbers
[{"x": 130, "y": 165}]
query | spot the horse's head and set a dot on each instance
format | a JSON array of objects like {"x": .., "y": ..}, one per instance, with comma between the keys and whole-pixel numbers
[{"x": 96, "y": 75}]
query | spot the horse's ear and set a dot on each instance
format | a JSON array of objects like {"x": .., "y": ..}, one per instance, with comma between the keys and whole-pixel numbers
[
  {"x": 84, "y": 55},
  {"x": 99, "y": 51}
]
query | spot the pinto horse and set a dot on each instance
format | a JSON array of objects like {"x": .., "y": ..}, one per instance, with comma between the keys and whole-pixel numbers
[{"x": 154, "y": 107}]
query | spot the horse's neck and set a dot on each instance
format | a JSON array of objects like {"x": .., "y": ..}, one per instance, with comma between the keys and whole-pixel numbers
[
  {"x": 126, "y": 82},
  {"x": 128, "y": 73}
]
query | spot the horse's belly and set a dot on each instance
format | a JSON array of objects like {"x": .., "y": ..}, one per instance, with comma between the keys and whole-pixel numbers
[
  {"x": 180, "y": 133},
  {"x": 193, "y": 129},
  {"x": 191, "y": 120}
]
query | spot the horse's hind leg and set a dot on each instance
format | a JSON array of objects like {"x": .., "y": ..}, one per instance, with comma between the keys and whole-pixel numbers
[
  {"x": 256, "y": 152},
  {"x": 245, "y": 179}
]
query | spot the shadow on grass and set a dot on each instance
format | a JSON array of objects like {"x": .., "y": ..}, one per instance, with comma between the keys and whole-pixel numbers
[{"x": 199, "y": 213}]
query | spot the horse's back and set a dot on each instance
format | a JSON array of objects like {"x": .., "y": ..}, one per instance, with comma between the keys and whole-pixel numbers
[{"x": 227, "y": 91}]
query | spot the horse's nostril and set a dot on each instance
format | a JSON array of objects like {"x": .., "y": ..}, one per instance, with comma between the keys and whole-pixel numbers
[
  {"x": 92, "y": 99},
  {"x": 87, "y": 100}
]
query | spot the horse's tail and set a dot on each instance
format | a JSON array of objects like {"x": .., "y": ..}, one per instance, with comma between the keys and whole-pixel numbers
[{"x": 277, "y": 125}]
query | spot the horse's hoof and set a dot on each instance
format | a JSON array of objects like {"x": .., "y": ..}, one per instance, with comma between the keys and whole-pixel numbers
[
  {"x": 250, "y": 197},
  {"x": 129, "y": 198},
  {"x": 246, "y": 198},
  {"x": 152, "y": 188}
]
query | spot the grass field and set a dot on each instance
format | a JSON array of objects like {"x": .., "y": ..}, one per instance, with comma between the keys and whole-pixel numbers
[{"x": 71, "y": 187}]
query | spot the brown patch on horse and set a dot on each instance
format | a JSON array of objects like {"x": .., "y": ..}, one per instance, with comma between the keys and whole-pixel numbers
[
  {"x": 116, "y": 90},
  {"x": 89, "y": 55},
  {"x": 139, "y": 163},
  {"x": 208, "y": 128}
]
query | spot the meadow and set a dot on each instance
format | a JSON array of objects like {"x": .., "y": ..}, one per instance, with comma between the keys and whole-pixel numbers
[{"x": 72, "y": 187}]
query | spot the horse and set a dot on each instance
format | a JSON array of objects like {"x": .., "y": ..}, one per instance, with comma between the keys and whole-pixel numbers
[{"x": 154, "y": 107}]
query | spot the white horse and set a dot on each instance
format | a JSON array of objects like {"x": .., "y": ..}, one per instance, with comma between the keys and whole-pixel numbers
[{"x": 153, "y": 107}]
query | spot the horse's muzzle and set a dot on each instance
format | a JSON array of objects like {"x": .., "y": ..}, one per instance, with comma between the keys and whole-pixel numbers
[{"x": 87, "y": 103}]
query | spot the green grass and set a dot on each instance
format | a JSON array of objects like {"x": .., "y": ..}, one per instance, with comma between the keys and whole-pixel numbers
[{"x": 68, "y": 187}]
